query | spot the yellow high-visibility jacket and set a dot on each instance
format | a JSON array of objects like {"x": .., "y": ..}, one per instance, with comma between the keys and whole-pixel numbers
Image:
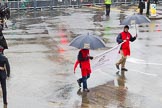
[{"x": 107, "y": 1}]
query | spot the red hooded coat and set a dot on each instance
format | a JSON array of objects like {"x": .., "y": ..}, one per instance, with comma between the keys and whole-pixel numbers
[{"x": 84, "y": 61}]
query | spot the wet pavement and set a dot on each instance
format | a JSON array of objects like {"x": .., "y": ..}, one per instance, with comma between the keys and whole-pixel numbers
[{"x": 42, "y": 62}]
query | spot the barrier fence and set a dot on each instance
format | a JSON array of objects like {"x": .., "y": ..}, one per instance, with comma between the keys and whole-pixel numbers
[{"x": 36, "y": 4}]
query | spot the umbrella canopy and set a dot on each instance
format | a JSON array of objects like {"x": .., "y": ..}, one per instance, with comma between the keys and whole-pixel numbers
[
  {"x": 87, "y": 41},
  {"x": 136, "y": 19}
]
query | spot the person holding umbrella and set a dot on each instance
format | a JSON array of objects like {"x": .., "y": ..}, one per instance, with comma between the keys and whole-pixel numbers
[
  {"x": 84, "y": 43},
  {"x": 124, "y": 37},
  {"x": 84, "y": 61}
]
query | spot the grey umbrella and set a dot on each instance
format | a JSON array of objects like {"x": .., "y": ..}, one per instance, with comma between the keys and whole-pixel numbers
[
  {"x": 87, "y": 41},
  {"x": 135, "y": 19}
]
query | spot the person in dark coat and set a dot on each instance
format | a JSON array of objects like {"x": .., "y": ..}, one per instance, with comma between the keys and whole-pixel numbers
[
  {"x": 3, "y": 42},
  {"x": 4, "y": 14},
  {"x": 4, "y": 73},
  {"x": 141, "y": 6},
  {"x": 155, "y": 1},
  {"x": 124, "y": 37},
  {"x": 84, "y": 61}
]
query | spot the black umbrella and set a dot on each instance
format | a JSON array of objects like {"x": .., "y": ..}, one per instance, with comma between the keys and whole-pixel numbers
[
  {"x": 87, "y": 41},
  {"x": 135, "y": 19}
]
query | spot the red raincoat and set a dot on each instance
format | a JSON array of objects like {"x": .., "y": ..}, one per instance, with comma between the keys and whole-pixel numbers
[
  {"x": 84, "y": 62},
  {"x": 125, "y": 46}
]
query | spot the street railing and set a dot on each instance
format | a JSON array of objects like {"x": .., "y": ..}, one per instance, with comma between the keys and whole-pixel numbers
[{"x": 38, "y": 4}]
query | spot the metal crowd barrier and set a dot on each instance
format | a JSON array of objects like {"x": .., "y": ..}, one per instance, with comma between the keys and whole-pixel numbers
[{"x": 36, "y": 4}]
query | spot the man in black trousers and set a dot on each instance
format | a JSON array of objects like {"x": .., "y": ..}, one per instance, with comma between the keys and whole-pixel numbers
[
  {"x": 4, "y": 73},
  {"x": 108, "y": 5},
  {"x": 141, "y": 6}
]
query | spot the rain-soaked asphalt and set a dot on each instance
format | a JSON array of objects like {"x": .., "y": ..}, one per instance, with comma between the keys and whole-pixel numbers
[{"x": 42, "y": 62}]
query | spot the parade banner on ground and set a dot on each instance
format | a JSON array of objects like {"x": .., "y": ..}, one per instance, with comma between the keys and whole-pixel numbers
[{"x": 107, "y": 58}]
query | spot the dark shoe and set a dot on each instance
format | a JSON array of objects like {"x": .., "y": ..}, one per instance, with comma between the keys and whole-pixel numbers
[
  {"x": 124, "y": 69},
  {"x": 117, "y": 72},
  {"x": 79, "y": 83},
  {"x": 117, "y": 66},
  {"x": 5, "y": 106},
  {"x": 86, "y": 90}
]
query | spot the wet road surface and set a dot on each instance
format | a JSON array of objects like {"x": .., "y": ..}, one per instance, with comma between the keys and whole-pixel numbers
[{"x": 42, "y": 62}]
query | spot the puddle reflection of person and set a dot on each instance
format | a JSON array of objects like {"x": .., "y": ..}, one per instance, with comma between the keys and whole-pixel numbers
[
  {"x": 121, "y": 80},
  {"x": 122, "y": 91},
  {"x": 85, "y": 100}
]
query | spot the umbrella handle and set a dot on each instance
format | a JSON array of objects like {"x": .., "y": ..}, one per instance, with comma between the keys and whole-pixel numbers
[{"x": 136, "y": 28}]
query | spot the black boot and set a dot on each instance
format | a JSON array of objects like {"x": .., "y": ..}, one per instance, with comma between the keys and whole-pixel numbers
[
  {"x": 124, "y": 69},
  {"x": 79, "y": 83},
  {"x": 86, "y": 90}
]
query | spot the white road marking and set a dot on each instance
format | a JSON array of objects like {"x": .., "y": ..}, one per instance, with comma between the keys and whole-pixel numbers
[
  {"x": 139, "y": 61},
  {"x": 149, "y": 74}
]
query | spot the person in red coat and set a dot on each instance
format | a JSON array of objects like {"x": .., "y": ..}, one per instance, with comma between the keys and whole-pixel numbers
[
  {"x": 84, "y": 61},
  {"x": 124, "y": 37}
]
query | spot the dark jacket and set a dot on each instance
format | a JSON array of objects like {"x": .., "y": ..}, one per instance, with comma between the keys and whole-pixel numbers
[
  {"x": 3, "y": 42},
  {"x": 4, "y": 12},
  {"x": 4, "y": 63},
  {"x": 83, "y": 55},
  {"x": 141, "y": 5}
]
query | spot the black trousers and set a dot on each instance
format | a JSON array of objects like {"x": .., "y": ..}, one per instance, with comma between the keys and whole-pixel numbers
[
  {"x": 108, "y": 9},
  {"x": 3, "y": 77},
  {"x": 141, "y": 11}
]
